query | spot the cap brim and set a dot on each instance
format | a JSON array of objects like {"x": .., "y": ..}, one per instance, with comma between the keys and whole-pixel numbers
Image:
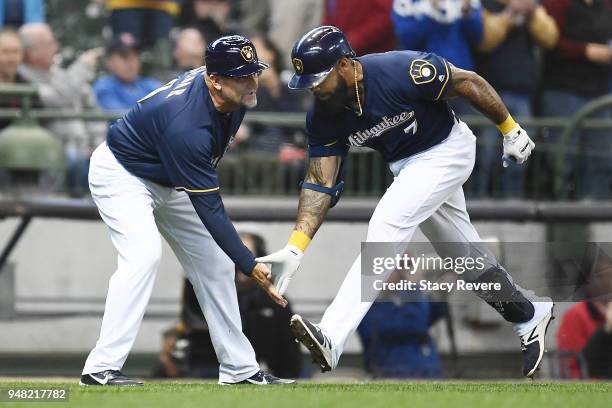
[
  {"x": 122, "y": 50},
  {"x": 308, "y": 81},
  {"x": 247, "y": 70}
]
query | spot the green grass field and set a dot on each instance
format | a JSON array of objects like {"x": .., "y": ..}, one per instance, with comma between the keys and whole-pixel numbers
[{"x": 353, "y": 395}]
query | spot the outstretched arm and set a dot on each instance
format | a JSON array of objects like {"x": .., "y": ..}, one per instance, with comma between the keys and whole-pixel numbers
[
  {"x": 313, "y": 206},
  {"x": 211, "y": 211}
]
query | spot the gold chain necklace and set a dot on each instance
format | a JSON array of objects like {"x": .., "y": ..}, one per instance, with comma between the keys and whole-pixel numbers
[{"x": 357, "y": 91}]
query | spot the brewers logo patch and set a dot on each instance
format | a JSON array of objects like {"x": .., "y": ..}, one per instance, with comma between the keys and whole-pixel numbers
[
  {"x": 422, "y": 72},
  {"x": 247, "y": 53},
  {"x": 298, "y": 65}
]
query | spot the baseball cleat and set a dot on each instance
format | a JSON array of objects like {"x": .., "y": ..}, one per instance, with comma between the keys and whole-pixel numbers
[
  {"x": 262, "y": 378},
  {"x": 532, "y": 343},
  {"x": 109, "y": 377},
  {"x": 315, "y": 340}
]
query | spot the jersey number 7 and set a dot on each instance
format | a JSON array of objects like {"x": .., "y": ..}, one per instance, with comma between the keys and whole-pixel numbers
[{"x": 413, "y": 127}]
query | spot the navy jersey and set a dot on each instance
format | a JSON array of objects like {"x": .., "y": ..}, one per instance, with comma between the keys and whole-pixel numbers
[
  {"x": 402, "y": 110},
  {"x": 175, "y": 137}
]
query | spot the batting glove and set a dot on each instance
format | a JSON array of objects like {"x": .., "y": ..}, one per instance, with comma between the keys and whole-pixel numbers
[
  {"x": 288, "y": 260},
  {"x": 517, "y": 146}
]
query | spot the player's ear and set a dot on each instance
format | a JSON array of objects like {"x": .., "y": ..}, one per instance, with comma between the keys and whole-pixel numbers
[
  {"x": 344, "y": 65},
  {"x": 215, "y": 81}
]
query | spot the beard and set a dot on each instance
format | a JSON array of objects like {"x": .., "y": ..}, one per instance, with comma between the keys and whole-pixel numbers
[
  {"x": 250, "y": 101},
  {"x": 335, "y": 101}
]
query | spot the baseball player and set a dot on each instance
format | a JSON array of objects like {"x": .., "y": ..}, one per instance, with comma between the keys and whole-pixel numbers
[
  {"x": 156, "y": 173},
  {"x": 396, "y": 103}
]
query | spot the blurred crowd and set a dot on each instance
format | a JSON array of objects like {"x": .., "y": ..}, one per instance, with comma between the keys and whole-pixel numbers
[{"x": 544, "y": 57}]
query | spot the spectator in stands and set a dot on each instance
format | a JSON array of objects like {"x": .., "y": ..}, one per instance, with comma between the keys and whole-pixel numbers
[
  {"x": 584, "y": 341},
  {"x": 64, "y": 88},
  {"x": 187, "y": 350},
  {"x": 576, "y": 71},
  {"x": 448, "y": 28},
  {"x": 147, "y": 20},
  {"x": 584, "y": 338},
  {"x": 120, "y": 90},
  {"x": 265, "y": 324},
  {"x": 274, "y": 95},
  {"x": 211, "y": 17},
  {"x": 268, "y": 18},
  {"x": 514, "y": 30},
  {"x": 15, "y": 13},
  {"x": 168, "y": 365},
  {"x": 11, "y": 55},
  {"x": 188, "y": 53},
  {"x": 366, "y": 24},
  {"x": 395, "y": 334},
  {"x": 189, "y": 49}
]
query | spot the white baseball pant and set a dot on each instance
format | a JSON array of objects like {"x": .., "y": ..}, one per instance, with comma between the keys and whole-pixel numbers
[
  {"x": 427, "y": 192},
  {"x": 136, "y": 211}
]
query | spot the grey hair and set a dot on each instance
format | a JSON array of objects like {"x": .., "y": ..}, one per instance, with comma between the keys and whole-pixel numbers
[{"x": 27, "y": 33}]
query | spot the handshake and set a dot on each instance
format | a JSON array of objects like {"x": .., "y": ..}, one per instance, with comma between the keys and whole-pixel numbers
[{"x": 288, "y": 259}]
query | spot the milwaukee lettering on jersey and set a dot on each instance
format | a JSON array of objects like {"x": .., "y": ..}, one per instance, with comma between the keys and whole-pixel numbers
[{"x": 360, "y": 137}]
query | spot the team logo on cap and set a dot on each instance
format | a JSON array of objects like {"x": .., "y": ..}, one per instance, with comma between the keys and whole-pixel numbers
[
  {"x": 298, "y": 65},
  {"x": 422, "y": 72},
  {"x": 247, "y": 53}
]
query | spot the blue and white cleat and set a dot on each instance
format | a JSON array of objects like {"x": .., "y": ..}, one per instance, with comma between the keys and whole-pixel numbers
[
  {"x": 315, "y": 340},
  {"x": 533, "y": 336}
]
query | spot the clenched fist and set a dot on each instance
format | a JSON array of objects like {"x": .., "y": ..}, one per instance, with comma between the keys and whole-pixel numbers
[{"x": 517, "y": 146}]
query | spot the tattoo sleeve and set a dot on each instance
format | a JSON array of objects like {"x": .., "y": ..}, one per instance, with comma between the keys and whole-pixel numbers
[
  {"x": 479, "y": 93},
  {"x": 313, "y": 205}
]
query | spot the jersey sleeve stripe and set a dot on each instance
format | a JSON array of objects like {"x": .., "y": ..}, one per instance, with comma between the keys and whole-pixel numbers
[
  {"x": 445, "y": 82},
  {"x": 209, "y": 190}
]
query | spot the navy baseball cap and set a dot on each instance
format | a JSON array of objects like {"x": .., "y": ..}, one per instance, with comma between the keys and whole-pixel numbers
[
  {"x": 316, "y": 54},
  {"x": 123, "y": 44},
  {"x": 233, "y": 55}
]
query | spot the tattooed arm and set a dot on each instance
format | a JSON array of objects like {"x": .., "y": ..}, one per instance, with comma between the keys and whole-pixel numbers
[
  {"x": 311, "y": 213},
  {"x": 517, "y": 146},
  {"x": 313, "y": 204},
  {"x": 471, "y": 86}
]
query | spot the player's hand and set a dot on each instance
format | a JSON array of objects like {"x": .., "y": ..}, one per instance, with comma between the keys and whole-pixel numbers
[
  {"x": 517, "y": 146},
  {"x": 288, "y": 259},
  {"x": 262, "y": 276}
]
